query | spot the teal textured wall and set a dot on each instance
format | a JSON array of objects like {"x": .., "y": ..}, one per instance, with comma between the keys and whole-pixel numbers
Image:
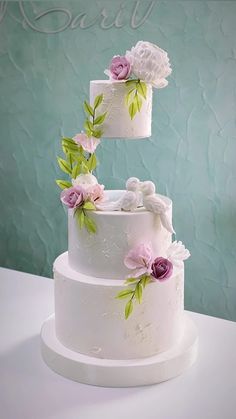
[{"x": 44, "y": 78}]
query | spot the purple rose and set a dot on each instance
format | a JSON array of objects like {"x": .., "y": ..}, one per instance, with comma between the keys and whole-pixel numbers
[
  {"x": 162, "y": 268},
  {"x": 120, "y": 68},
  {"x": 72, "y": 197}
]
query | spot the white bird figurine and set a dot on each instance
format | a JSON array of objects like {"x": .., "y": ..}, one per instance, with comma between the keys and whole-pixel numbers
[
  {"x": 129, "y": 201},
  {"x": 155, "y": 204},
  {"x": 133, "y": 184}
]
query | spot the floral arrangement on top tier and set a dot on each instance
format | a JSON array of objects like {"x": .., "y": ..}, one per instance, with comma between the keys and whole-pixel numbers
[
  {"x": 146, "y": 268},
  {"x": 83, "y": 192},
  {"x": 146, "y": 63}
]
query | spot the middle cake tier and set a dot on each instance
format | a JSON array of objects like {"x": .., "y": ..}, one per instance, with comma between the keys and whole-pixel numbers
[{"x": 102, "y": 254}]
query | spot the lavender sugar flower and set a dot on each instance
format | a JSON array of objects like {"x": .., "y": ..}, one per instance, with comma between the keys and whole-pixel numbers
[{"x": 162, "y": 269}]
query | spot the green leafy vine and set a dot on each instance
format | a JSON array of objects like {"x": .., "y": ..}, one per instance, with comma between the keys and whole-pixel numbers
[
  {"x": 134, "y": 294},
  {"x": 77, "y": 161},
  {"x": 92, "y": 121},
  {"x": 135, "y": 95}
]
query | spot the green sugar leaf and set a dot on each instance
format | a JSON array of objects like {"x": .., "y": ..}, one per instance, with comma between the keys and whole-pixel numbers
[
  {"x": 79, "y": 158},
  {"x": 69, "y": 145},
  {"x": 98, "y": 100},
  {"x": 70, "y": 148},
  {"x": 88, "y": 126},
  {"x": 142, "y": 89},
  {"x": 69, "y": 158},
  {"x": 88, "y": 108},
  {"x": 90, "y": 224},
  {"x": 125, "y": 294},
  {"x": 128, "y": 309},
  {"x": 89, "y": 133},
  {"x": 97, "y": 133},
  {"x": 76, "y": 157},
  {"x": 128, "y": 96},
  {"x": 76, "y": 170},
  {"x": 133, "y": 109},
  {"x": 131, "y": 280},
  {"x": 129, "y": 83},
  {"x": 68, "y": 140},
  {"x": 92, "y": 162},
  {"x": 77, "y": 212},
  {"x": 145, "y": 280},
  {"x": 63, "y": 184},
  {"x": 80, "y": 217},
  {"x": 100, "y": 119},
  {"x": 64, "y": 166},
  {"x": 88, "y": 205},
  {"x": 64, "y": 149},
  {"x": 138, "y": 102},
  {"x": 138, "y": 292},
  {"x": 81, "y": 150},
  {"x": 84, "y": 168}
]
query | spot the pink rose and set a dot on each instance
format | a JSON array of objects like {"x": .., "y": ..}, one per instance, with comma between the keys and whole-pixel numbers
[
  {"x": 120, "y": 68},
  {"x": 140, "y": 259},
  {"x": 162, "y": 268},
  {"x": 72, "y": 197},
  {"x": 89, "y": 144},
  {"x": 95, "y": 193}
]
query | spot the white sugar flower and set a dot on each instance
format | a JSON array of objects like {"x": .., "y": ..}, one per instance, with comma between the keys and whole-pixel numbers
[
  {"x": 85, "y": 180},
  {"x": 177, "y": 253},
  {"x": 149, "y": 63}
]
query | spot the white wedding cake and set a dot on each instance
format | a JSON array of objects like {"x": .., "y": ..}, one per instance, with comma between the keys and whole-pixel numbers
[{"x": 119, "y": 290}]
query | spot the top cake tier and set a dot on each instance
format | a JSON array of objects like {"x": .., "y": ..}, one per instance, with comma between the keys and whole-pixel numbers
[
  {"x": 127, "y": 96},
  {"x": 118, "y": 123}
]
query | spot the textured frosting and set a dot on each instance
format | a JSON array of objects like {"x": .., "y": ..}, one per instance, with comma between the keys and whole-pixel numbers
[
  {"x": 102, "y": 254},
  {"x": 118, "y": 123},
  {"x": 90, "y": 320}
]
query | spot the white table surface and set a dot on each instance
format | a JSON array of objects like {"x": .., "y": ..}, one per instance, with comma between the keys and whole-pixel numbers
[{"x": 30, "y": 390}]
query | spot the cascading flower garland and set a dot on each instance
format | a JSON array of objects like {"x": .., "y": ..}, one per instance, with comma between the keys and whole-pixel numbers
[
  {"x": 83, "y": 192},
  {"x": 146, "y": 268}
]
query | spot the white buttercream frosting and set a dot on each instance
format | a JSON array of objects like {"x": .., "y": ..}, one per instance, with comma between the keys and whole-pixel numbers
[
  {"x": 90, "y": 320},
  {"x": 102, "y": 254},
  {"x": 118, "y": 123}
]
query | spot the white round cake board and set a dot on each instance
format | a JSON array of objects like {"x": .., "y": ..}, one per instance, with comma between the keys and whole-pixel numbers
[{"x": 118, "y": 373}]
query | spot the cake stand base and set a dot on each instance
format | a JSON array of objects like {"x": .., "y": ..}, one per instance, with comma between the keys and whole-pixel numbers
[{"x": 118, "y": 373}]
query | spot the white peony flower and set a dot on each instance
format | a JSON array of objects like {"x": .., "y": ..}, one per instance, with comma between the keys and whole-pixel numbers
[
  {"x": 85, "y": 180},
  {"x": 177, "y": 253},
  {"x": 149, "y": 63}
]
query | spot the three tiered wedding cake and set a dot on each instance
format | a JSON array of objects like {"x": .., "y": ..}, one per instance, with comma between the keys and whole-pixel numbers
[{"x": 119, "y": 290}]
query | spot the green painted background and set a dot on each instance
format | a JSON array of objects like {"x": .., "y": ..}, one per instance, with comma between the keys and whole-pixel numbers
[{"x": 191, "y": 155}]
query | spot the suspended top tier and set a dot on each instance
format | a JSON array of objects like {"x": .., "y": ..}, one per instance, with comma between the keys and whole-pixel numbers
[{"x": 127, "y": 95}]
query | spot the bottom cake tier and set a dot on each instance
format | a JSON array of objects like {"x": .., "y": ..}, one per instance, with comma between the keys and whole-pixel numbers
[
  {"x": 119, "y": 373},
  {"x": 90, "y": 320},
  {"x": 89, "y": 340}
]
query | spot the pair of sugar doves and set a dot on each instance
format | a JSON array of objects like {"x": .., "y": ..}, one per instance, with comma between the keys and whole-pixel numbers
[{"x": 140, "y": 194}]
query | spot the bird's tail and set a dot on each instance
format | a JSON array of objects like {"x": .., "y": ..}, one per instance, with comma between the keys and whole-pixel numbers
[
  {"x": 110, "y": 205},
  {"x": 167, "y": 223}
]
